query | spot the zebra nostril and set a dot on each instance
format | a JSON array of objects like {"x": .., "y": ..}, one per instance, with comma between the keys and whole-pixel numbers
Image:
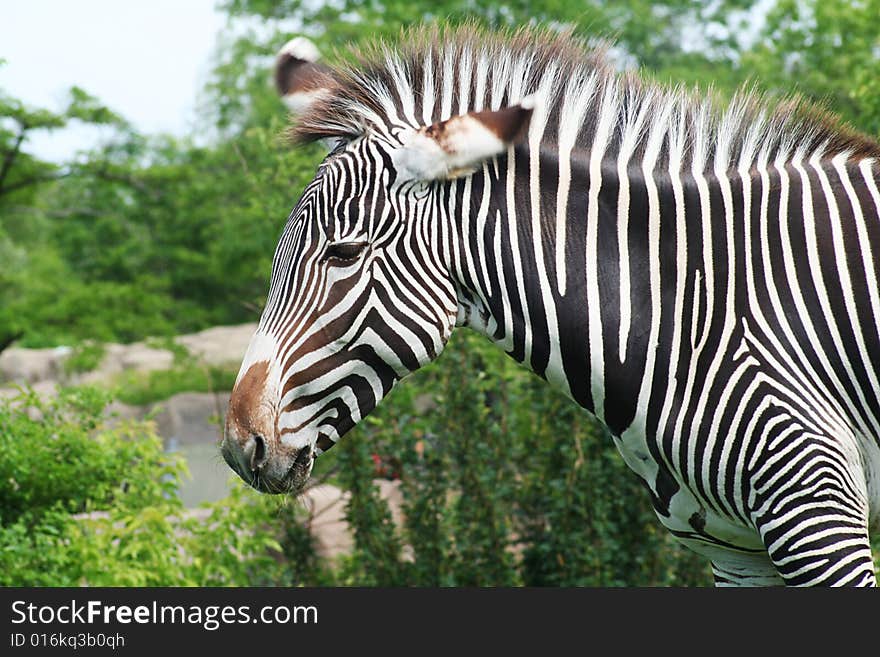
[{"x": 259, "y": 455}]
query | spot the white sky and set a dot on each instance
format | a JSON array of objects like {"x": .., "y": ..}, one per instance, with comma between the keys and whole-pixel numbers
[{"x": 145, "y": 59}]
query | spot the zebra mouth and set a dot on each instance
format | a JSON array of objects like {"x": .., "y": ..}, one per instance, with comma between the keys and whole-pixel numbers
[
  {"x": 300, "y": 470},
  {"x": 279, "y": 478}
]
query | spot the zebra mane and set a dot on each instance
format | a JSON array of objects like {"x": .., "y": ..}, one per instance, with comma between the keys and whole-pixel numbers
[{"x": 434, "y": 73}]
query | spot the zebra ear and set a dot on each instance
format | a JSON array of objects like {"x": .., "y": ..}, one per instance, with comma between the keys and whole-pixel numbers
[
  {"x": 456, "y": 147},
  {"x": 299, "y": 77}
]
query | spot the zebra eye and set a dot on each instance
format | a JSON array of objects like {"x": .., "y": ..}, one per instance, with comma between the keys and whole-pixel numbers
[{"x": 344, "y": 251}]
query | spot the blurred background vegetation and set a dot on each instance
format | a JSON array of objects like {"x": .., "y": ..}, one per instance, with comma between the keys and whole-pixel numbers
[{"x": 504, "y": 481}]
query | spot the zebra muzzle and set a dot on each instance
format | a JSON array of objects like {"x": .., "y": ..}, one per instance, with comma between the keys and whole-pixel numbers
[
  {"x": 300, "y": 469},
  {"x": 304, "y": 458}
]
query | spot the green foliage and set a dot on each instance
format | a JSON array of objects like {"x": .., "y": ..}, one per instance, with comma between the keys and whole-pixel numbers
[
  {"x": 377, "y": 555},
  {"x": 87, "y": 502},
  {"x": 65, "y": 460},
  {"x": 84, "y": 107},
  {"x": 301, "y": 565},
  {"x": 85, "y": 357},
  {"x": 232, "y": 544},
  {"x": 828, "y": 50},
  {"x": 49, "y": 305}
]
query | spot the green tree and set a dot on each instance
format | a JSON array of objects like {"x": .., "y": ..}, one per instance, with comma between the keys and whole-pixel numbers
[
  {"x": 829, "y": 50},
  {"x": 32, "y": 265}
]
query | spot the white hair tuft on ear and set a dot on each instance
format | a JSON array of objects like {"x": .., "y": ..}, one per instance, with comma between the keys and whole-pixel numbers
[
  {"x": 299, "y": 77},
  {"x": 300, "y": 48},
  {"x": 456, "y": 147}
]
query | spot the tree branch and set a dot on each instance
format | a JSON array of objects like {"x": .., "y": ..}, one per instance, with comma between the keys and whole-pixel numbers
[
  {"x": 27, "y": 182},
  {"x": 11, "y": 155},
  {"x": 131, "y": 181}
]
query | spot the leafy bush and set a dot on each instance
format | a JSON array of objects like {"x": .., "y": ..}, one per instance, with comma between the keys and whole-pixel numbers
[
  {"x": 85, "y": 357},
  {"x": 47, "y": 302},
  {"x": 56, "y": 454},
  {"x": 91, "y": 502}
]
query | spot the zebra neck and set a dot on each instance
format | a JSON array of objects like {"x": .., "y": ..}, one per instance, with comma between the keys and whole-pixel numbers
[{"x": 539, "y": 277}]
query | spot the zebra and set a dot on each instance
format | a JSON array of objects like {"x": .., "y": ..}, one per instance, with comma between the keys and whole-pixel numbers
[{"x": 702, "y": 277}]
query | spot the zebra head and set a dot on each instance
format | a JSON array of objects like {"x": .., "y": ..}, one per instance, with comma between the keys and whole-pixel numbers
[{"x": 362, "y": 290}]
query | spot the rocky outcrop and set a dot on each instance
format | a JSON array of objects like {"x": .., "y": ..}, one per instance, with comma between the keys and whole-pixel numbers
[
  {"x": 31, "y": 366},
  {"x": 218, "y": 346},
  {"x": 221, "y": 345},
  {"x": 119, "y": 358},
  {"x": 191, "y": 418}
]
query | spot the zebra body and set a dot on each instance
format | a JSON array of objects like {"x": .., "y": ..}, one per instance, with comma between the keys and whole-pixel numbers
[{"x": 704, "y": 282}]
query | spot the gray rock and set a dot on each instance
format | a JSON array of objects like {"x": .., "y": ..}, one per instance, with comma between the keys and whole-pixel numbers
[
  {"x": 191, "y": 418},
  {"x": 190, "y": 424},
  {"x": 28, "y": 366},
  {"x": 42, "y": 388},
  {"x": 118, "y": 412},
  {"x": 220, "y": 345},
  {"x": 120, "y": 358}
]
